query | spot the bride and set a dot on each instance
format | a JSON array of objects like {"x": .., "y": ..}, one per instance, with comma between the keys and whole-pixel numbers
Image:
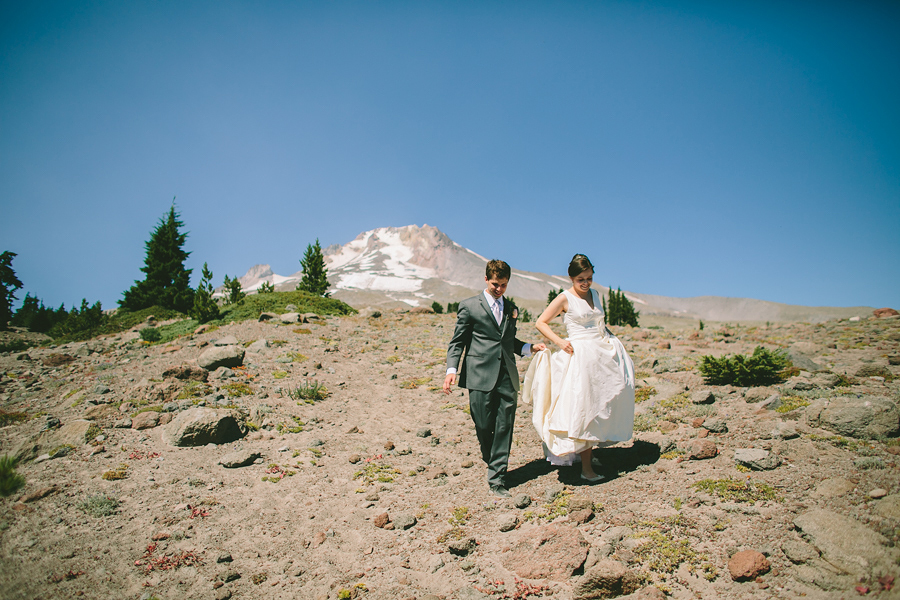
[{"x": 583, "y": 396}]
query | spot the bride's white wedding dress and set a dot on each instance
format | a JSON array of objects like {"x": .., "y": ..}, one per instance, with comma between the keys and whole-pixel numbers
[{"x": 585, "y": 399}]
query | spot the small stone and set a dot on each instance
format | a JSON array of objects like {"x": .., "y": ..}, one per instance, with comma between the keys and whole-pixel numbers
[
  {"x": 241, "y": 458},
  {"x": 389, "y": 446},
  {"x": 467, "y": 464},
  {"x": 702, "y": 450},
  {"x": 522, "y": 501},
  {"x": 581, "y": 516},
  {"x": 355, "y": 458},
  {"x": 223, "y": 594},
  {"x": 404, "y": 522},
  {"x": 666, "y": 426},
  {"x": 230, "y": 576},
  {"x": 37, "y": 495},
  {"x": 462, "y": 547},
  {"x": 552, "y": 491},
  {"x": 372, "y": 496},
  {"x": 703, "y": 397},
  {"x": 508, "y": 522},
  {"x": 716, "y": 426},
  {"x": 757, "y": 459},
  {"x": 748, "y": 565},
  {"x": 423, "y": 432},
  {"x": 663, "y": 345},
  {"x": 145, "y": 420},
  {"x": 381, "y": 520},
  {"x": 224, "y": 557},
  {"x": 698, "y": 422},
  {"x": 878, "y": 493}
]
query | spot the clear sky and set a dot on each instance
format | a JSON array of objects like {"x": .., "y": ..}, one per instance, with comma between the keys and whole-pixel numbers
[{"x": 746, "y": 149}]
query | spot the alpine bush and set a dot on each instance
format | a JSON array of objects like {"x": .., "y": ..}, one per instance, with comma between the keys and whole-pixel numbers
[
  {"x": 205, "y": 307},
  {"x": 437, "y": 307},
  {"x": 763, "y": 367}
]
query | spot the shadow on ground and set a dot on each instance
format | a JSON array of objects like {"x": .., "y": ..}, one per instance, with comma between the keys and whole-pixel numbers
[{"x": 614, "y": 461}]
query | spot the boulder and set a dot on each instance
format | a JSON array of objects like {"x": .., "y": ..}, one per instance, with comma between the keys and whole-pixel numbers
[
  {"x": 290, "y": 317},
  {"x": 702, "y": 450},
  {"x": 803, "y": 362},
  {"x": 228, "y": 340},
  {"x": 201, "y": 426},
  {"x": 145, "y": 420},
  {"x": 747, "y": 565},
  {"x": 848, "y": 544},
  {"x": 703, "y": 397},
  {"x": 546, "y": 552},
  {"x": 865, "y": 417},
  {"x": 889, "y": 507},
  {"x": 241, "y": 458},
  {"x": 267, "y": 316},
  {"x": 881, "y": 313},
  {"x": 715, "y": 426},
  {"x": 874, "y": 371},
  {"x": 606, "y": 579},
  {"x": 758, "y": 394},
  {"x": 258, "y": 346},
  {"x": 221, "y": 356},
  {"x": 756, "y": 458}
]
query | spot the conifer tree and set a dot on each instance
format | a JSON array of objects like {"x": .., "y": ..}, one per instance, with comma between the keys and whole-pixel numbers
[
  {"x": 552, "y": 294},
  {"x": 205, "y": 307},
  {"x": 9, "y": 283},
  {"x": 234, "y": 293},
  {"x": 620, "y": 310},
  {"x": 314, "y": 271},
  {"x": 167, "y": 282}
]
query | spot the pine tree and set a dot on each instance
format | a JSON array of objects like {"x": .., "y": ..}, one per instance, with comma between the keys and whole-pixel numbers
[
  {"x": 314, "y": 271},
  {"x": 168, "y": 283},
  {"x": 552, "y": 294},
  {"x": 205, "y": 307},
  {"x": 234, "y": 293},
  {"x": 34, "y": 316},
  {"x": 265, "y": 288},
  {"x": 621, "y": 310},
  {"x": 9, "y": 283}
]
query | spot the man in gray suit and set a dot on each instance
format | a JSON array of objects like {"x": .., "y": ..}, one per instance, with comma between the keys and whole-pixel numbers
[{"x": 486, "y": 330}]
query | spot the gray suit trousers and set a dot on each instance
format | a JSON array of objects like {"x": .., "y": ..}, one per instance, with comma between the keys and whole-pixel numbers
[{"x": 494, "y": 414}]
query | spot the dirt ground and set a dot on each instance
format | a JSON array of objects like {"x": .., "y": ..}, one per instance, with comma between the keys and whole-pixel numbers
[{"x": 307, "y": 519}]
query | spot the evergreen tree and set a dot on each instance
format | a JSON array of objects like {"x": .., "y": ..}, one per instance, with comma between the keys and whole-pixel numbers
[
  {"x": 9, "y": 283},
  {"x": 205, "y": 307},
  {"x": 552, "y": 294},
  {"x": 234, "y": 293},
  {"x": 167, "y": 283},
  {"x": 437, "y": 307},
  {"x": 314, "y": 271},
  {"x": 619, "y": 310},
  {"x": 265, "y": 288},
  {"x": 34, "y": 316}
]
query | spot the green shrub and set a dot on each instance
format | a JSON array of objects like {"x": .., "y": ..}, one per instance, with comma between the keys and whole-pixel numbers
[
  {"x": 619, "y": 310},
  {"x": 99, "y": 505},
  {"x": 452, "y": 307},
  {"x": 315, "y": 273},
  {"x": 437, "y": 307},
  {"x": 10, "y": 481},
  {"x": 309, "y": 392},
  {"x": 763, "y": 367},
  {"x": 265, "y": 288},
  {"x": 234, "y": 293},
  {"x": 149, "y": 334}
]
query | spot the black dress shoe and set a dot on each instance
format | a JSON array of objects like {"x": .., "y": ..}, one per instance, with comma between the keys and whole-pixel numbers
[{"x": 500, "y": 491}]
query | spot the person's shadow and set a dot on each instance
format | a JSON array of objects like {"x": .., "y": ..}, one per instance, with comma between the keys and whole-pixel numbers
[{"x": 613, "y": 461}]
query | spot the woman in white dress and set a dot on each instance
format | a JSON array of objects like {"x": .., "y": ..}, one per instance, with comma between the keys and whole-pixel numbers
[{"x": 583, "y": 396}]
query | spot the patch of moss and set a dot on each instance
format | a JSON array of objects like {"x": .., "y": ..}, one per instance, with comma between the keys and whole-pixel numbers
[
  {"x": 643, "y": 393},
  {"x": 194, "y": 389},
  {"x": 156, "y": 408},
  {"x": 280, "y": 374},
  {"x": 8, "y": 418},
  {"x": 120, "y": 472},
  {"x": 411, "y": 384},
  {"x": 790, "y": 403},
  {"x": 236, "y": 390},
  {"x": 373, "y": 472},
  {"x": 736, "y": 490}
]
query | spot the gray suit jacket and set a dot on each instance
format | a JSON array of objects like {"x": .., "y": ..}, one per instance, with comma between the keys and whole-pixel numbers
[{"x": 488, "y": 347}]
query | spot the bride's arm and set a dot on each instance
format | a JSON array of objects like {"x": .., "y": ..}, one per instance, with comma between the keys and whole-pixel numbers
[{"x": 559, "y": 304}]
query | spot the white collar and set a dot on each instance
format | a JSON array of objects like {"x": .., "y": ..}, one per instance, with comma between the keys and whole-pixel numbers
[{"x": 490, "y": 299}]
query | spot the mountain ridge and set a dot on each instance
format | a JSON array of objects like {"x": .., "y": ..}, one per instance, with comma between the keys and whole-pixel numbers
[{"x": 413, "y": 266}]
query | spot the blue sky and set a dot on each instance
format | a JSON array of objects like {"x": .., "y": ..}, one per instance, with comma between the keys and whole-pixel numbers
[{"x": 746, "y": 149}]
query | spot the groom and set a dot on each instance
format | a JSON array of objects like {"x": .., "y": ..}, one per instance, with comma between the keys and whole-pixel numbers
[{"x": 486, "y": 330}]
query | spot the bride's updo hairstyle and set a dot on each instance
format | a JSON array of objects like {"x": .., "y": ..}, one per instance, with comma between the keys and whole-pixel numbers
[{"x": 580, "y": 263}]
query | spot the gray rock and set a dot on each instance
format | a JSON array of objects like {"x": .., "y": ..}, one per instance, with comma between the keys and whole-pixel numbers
[
  {"x": 122, "y": 424},
  {"x": 703, "y": 397},
  {"x": 404, "y": 521},
  {"x": 424, "y": 432},
  {"x": 865, "y": 417},
  {"x": 241, "y": 458},
  {"x": 228, "y": 340},
  {"x": 221, "y": 373},
  {"x": 266, "y": 316},
  {"x": 758, "y": 394},
  {"x": 614, "y": 535},
  {"x": 821, "y": 575},
  {"x": 606, "y": 579},
  {"x": 715, "y": 426},
  {"x": 833, "y": 488},
  {"x": 848, "y": 544},
  {"x": 522, "y": 501},
  {"x": 801, "y": 361},
  {"x": 552, "y": 491},
  {"x": 462, "y": 547},
  {"x": 224, "y": 558},
  {"x": 464, "y": 593},
  {"x": 889, "y": 507},
  {"x": 258, "y": 345},
  {"x": 826, "y": 380},
  {"x": 221, "y": 356},
  {"x": 785, "y": 431},
  {"x": 757, "y": 458},
  {"x": 50, "y": 423},
  {"x": 145, "y": 420},
  {"x": 799, "y": 552},
  {"x": 799, "y": 384},
  {"x": 873, "y": 371},
  {"x": 290, "y": 317},
  {"x": 201, "y": 426},
  {"x": 507, "y": 522},
  {"x": 101, "y": 389},
  {"x": 434, "y": 564},
  {"x": 772, "y": 402}
]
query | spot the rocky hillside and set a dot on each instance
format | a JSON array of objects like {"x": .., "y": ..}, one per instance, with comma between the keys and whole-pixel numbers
[
  {"x": 397, "y": 267},
  {"x": 288, "y": 459}
]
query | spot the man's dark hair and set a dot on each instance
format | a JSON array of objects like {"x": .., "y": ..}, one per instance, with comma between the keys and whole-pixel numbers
[{"x": 497, "y": 269}]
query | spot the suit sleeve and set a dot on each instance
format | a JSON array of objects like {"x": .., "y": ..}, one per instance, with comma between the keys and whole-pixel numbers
[{"x": 462, "y": 337}]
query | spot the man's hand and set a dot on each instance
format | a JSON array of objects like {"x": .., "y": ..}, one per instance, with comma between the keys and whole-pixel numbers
[{"x": 449, "y": 380}]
